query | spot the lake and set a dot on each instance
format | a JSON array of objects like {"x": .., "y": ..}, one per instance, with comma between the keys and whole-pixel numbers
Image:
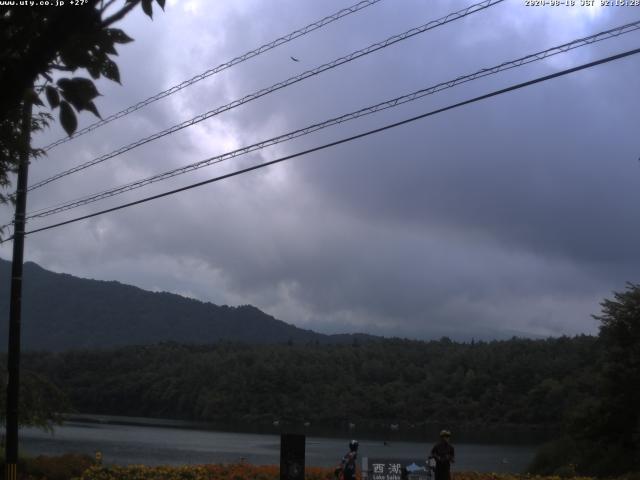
[{"x": 165, "y": 445}]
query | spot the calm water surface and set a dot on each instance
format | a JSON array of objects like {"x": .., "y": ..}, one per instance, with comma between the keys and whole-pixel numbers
[{"x": 157, "y": 445}]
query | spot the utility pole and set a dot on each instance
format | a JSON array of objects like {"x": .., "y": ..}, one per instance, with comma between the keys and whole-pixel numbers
[{"x": 15, "y": 306}]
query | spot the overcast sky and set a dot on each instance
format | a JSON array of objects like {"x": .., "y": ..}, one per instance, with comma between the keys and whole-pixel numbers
[{"x": 513, "y": 216}]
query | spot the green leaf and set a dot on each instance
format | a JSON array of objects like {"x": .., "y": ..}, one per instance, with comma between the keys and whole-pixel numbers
[
  {"x": 69, "y": 61},
  {"x": 146, "y": 7},
  {"x": 68, "y": 118},
  {"x": 76, "y": 54},
  {"x": 93, "y": 109},
  {"x": 94, "y": 70},
  {"x": 110, "y": 70},
  {"x": 118, "y": 36},
  {"x": 52, "y": 96},
  {"x": 106, "y": 46},
  {"x": 78, "y": 91},
  {"x": 96, "y": 64},
  {"x": 104, "y": 43},
  {"x": 64, "y": 83},
  {"x": 85, "y": 88}
]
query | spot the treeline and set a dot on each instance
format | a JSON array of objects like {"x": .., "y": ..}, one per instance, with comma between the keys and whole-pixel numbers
[
  {"x": 409, "y": 383},
  {"x": 586, "y": 387}
]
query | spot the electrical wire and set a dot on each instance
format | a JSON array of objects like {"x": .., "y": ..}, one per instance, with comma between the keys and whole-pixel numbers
[
  {"x": 223, "y": 66},
  {"x": 344, "y": 140},
  {"x": 394, "y": 102},
  {"x": 265, "y": 91}
]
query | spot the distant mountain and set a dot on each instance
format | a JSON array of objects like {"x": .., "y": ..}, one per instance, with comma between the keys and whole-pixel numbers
[{"x": 62, "y": 312}]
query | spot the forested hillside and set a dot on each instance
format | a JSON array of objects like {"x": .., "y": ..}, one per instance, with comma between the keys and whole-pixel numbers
[
  {"x": 62, "y": 312},
  {"x": 522, "y": 382}
]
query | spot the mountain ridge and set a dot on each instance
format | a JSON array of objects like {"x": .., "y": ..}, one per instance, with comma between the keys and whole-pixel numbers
[{"x": 62, "y": 311}]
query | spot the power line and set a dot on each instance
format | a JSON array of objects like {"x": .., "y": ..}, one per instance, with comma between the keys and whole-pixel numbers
[
  {"x": 345, "y": 140},
  {"x": 265, "y": 91},
  {"x": 611, "y": 33},
  {"x": 245, "y": 56}
]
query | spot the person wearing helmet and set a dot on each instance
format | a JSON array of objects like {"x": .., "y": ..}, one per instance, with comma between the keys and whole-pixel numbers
[
  {"x": 444, "y": 455},
  {"x": 347, "y": 469}
]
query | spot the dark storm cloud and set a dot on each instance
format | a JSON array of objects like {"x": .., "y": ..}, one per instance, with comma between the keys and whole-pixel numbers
[{"x": 512, "y": 216}]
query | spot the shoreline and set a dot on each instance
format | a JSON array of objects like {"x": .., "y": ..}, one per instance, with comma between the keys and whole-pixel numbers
[
  {"x": 161, "y": 445},
  {"x": 489, "y": 434}
]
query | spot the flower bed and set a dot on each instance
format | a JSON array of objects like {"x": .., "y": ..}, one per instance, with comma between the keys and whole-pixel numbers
[
  {"x": 242, "y": 471},
  {"x": 78, "y": 467},
  {"x": 245, "y": 471}
]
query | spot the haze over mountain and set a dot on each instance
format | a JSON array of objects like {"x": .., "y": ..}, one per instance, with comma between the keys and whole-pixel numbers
[{"x": 63, "y": 312}]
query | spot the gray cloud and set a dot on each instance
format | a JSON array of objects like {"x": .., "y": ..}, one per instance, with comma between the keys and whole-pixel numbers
[{"x": 511, "y": 216}]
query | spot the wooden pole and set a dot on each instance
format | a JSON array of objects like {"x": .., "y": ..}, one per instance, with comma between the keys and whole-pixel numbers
[{"x": 15, "y": 306}]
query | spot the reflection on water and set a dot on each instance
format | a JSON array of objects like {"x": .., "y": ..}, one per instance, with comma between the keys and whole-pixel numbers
[
  {"x": 169, "y": 445},
  {"x": 482, "y": 434}
]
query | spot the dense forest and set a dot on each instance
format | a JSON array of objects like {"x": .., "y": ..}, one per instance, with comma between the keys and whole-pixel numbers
[
  {"x": 584, "y": 387},
  {"x": 521, "y": 382}
]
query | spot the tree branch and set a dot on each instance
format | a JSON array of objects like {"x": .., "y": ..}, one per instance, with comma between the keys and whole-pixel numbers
[
  {"x": 60, "y": 67},
  {"x": 119, "y": 15},
  {"x": 104, "y": 7}
]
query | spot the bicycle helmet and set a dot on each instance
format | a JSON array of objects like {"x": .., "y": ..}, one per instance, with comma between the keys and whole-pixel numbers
[{"x": 353, "y": 445}]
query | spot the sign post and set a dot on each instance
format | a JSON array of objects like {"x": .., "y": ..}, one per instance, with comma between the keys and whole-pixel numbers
[
  {"x": 292, "y": 449},
  {"x": 395, "y": 469}
]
